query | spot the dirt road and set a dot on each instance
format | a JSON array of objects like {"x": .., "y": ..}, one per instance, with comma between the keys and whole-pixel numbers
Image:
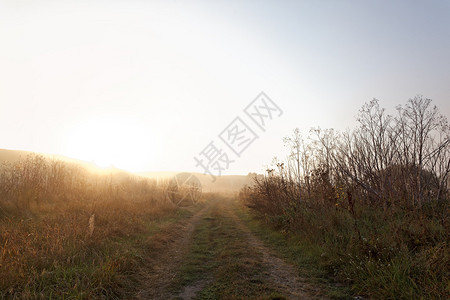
[{"x": 214, "y": 255}]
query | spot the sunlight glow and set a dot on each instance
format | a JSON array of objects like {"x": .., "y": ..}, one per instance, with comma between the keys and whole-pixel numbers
[{"x": 110, "y": 141}]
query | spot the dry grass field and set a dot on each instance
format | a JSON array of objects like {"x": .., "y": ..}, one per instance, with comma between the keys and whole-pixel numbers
[{"x": 66, "y": 232}]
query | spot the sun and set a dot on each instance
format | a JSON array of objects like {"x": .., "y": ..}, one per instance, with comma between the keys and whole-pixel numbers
[{"x": 110, "y": 141}]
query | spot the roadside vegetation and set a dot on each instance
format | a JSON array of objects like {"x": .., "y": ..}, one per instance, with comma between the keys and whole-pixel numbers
[
  {"x": 66, "y": 232},
  {"x": 369, "y": 206}
]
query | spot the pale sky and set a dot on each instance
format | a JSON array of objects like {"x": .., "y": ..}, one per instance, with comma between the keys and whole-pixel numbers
[{"x": 147, "y": 85}]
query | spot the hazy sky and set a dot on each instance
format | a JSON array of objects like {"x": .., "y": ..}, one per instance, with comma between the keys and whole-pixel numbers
[{"x": 147, "y": 85}]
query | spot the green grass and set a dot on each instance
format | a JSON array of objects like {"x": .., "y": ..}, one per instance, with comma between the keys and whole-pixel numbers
[
  {"x": 102, "y": 267},
  {"x": 399, "y": 254},
  {"x": 306, "y": 256},
  {"x": 220, "y": 260}
]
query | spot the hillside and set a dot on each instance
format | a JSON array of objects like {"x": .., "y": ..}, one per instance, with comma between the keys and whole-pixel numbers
[{"x": 222, "y": 184}]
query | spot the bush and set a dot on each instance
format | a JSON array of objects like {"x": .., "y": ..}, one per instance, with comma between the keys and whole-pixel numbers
[{"x": 374, "y": 199}]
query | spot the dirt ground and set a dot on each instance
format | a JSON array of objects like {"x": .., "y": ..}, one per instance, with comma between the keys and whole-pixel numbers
[{"x": 214, "y": 255}]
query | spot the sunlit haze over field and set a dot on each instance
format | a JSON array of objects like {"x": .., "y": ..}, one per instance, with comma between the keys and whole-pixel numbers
[
  {"x": 226, "y": 149},
  {"x": 147, "y": 85}
]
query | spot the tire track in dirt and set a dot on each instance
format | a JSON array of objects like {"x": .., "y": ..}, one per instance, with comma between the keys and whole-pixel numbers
[
  {"x": 282, "y": 275},
  {"x": 169, "y": 247}
]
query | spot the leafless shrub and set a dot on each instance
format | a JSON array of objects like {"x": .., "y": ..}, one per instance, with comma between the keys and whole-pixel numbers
[
  {"x": 385, "y": 161},
  {"x": 373, "y": 200}
]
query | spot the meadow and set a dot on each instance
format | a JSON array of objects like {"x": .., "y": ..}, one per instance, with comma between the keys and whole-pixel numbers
[
  {"x": 67, "y": 232},
  {"x": 357, "y": 213}
]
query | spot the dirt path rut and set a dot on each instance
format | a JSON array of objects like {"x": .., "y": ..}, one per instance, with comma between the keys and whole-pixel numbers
[
  {"x": 282, "y": 276},
  {"x": 170, "y": 247},
  {"x": 240, "y": 265}
]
